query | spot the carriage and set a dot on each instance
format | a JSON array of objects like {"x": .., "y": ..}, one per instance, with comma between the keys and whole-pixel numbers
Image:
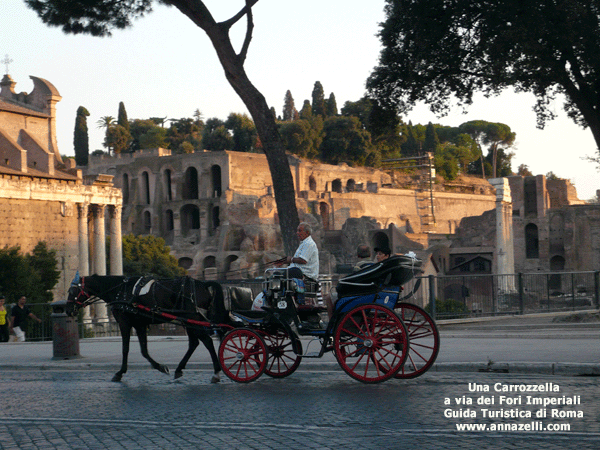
[{"x": 373, "y": 333}]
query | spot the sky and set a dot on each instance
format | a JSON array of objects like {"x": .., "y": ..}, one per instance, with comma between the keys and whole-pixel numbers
[{"x": 165, "y": 66}]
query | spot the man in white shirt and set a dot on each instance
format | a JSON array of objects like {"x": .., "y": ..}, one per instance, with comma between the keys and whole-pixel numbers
[{"x": 306, "y": 257}]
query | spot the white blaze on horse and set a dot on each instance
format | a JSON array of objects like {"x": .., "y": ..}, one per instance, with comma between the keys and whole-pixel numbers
[{"x": 137, "y": 302}]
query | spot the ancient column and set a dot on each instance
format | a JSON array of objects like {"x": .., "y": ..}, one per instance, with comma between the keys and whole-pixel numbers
[
  {"x": 84, "y": 256},
  {"x": 116, "y": 243},
  {"x": 99, "y": 256},
  {"x": 504, "y": 255}
]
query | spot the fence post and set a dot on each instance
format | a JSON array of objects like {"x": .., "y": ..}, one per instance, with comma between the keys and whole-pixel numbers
[
  {"x": 432, "y": 296},
  {"x": 597, "y": 289},
  {"x": 521, "y": 294},
  {"x": 573, "y": 290}
]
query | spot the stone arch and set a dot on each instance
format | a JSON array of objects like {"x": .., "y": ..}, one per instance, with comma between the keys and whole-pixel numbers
[
  {"x": 190, "y": 218},
  {"x": 350, "y": 185},
  {"x": 312, "y": 184},
  {"x": 336, "y": 185},
  {"x": 190, "y": 184},
  {"x": 381, "y": 240},
  {"x": 227, "y": 263},
  {"x": 208, "y": 262},
  {"x": 215, "y": 176},
  {"x": 215, "y": 217},
  {"x": 185, "y": 262},
  {"x": 532, "y": 241}
]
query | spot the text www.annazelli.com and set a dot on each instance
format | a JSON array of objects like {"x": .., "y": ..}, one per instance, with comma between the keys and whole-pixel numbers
[{"x": 529, "y": 426}]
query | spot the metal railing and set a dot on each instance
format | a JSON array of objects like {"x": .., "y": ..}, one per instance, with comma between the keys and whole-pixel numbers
[{"x": 445, "y": 297}]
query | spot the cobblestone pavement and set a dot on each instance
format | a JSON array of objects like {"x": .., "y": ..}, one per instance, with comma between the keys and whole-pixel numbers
[{"x": 308, "y": 410}]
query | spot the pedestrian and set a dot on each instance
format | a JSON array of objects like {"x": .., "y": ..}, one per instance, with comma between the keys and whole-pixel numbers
[
  {"x": 20, "y": 313},
  {"x": 4, "y": 321}
]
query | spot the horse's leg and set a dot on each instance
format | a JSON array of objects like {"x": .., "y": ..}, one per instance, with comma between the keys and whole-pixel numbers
[
  {"x": 125, "y": 327},
  {"x": 142, "y": 333},
  {"x": 210, "y": 346},
  {"x": 193, "y": 343}
]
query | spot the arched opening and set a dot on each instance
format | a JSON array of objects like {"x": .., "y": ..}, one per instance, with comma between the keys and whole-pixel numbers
[
  {"x": 125, "y": 188},
  {"x": 169, "y": 222},
  {"x": 216, "y": 221},
  {"x": 350, "y": 185},
  {"x": 336, "y": 185},
  {"x": 215, "y": 173},
  {"x": 186, "y": 263},
  {"x": 312, "y": 183},
  {"x": 190, "y": 218},
  {"x": 230, "y": 259},
  {"x": 557, "y": 264},
  {"x": 146, "y": 188},
  {"x": 324, "y": 213},
  {"x": 532, "y": 246},
  {"x": 147, "y": 221},
  {"x": 381, "y": 240},
  {"x": 209, "y": 261},
  {"x": 168, "y": 189},
  {"x": 530, "y": 196},
  {"x": 190, "y": 184}
]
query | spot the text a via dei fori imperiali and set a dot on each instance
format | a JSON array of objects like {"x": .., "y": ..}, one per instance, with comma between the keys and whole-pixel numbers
[{"x": 528, "y": 407}]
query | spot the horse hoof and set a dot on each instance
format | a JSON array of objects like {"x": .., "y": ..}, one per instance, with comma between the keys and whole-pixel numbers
[
  {"x": 178, "y": 375},
  {"x": 163, "y": 369},
  {"x": 215, "y": 378},
  {"x": 116, "y": 378}
]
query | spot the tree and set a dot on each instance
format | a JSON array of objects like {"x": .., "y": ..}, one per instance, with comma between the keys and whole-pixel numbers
[
  {"x": 122, "y": 117},
  {"x": 243, "y": 131},
  {"x": 215, "y": 136},
  {"x": 33, "y": 275},
  {"x": 106, "y": 122},
  {"x": 289, "y": 109},
  {"x": 432, "y": 142},
  {"x": 148, "y": 255},
  {"x": 345, "y": 141},
  {"x": 434, "y": 51},
  {"x": 81, "y": 142},
  {"x": 524, "y": 171},
  {"x": 318, "y": 100},
  {"x": 99, "y": 17},
  {"x": 331, "y": 108},
  {"x": 498, "y": 134},
  {"x": 306, "y": 111},
  {"x": 117, "y": 139}
]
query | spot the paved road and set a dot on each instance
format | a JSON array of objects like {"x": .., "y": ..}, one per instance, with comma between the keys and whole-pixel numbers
[{"x": 309, "y": 410}]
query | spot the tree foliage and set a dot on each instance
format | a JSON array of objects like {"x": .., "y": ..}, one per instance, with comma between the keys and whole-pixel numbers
[
  {"x": 318, "y": 100},
  {"x": 122, "y": 117},
  {"x": 81, "y": 143},
  {"x": 33, "y": 275},
  {"x": 289, "y": 108},
  {"x": 437, "y": 51},
  {"x": 148, "y": 255}
]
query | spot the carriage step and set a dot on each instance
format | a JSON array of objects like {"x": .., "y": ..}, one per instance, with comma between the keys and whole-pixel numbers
[{"x": 312, "y": 355}]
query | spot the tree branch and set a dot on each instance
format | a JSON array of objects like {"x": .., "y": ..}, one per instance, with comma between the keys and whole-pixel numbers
[{"x": 246, "y": 9}]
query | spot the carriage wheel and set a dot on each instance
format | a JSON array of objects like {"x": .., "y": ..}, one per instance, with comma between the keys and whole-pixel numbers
[
  {"x": 424, "y": 340},
  {"x": 282, "y": 359},
  {"x": 243, "y": 355},
  {"x": 371, "y": 343}
]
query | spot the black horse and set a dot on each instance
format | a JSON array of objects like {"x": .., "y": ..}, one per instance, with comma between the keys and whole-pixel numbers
[{"x": 137, "y": 302}]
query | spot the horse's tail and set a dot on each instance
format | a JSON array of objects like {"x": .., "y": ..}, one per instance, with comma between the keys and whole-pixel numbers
[{"x": 217, "y": 312}]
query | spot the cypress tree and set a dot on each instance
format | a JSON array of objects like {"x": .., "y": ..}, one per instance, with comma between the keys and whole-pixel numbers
[
  {"x": 122, "y": 118},
  {"x": 289, "y": 109},
  {"x": 318, "y": 100},
  {"x": 332, "y": 109},
  {"x": 80, "y": 137}
]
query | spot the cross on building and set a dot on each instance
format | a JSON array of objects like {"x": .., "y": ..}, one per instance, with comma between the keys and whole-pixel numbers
[{"x": 6, "y": 61}]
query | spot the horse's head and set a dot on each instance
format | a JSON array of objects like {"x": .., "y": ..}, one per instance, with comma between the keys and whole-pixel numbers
[{"x": 77, "y": 297}]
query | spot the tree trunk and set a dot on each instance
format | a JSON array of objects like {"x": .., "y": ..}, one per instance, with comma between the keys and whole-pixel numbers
[{"x": 233, "y": 64}]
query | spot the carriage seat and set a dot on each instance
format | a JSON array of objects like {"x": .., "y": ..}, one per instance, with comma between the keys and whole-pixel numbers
[
  {"x": 394, "y": 271},
  {"x": 240, "y": 298}
]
